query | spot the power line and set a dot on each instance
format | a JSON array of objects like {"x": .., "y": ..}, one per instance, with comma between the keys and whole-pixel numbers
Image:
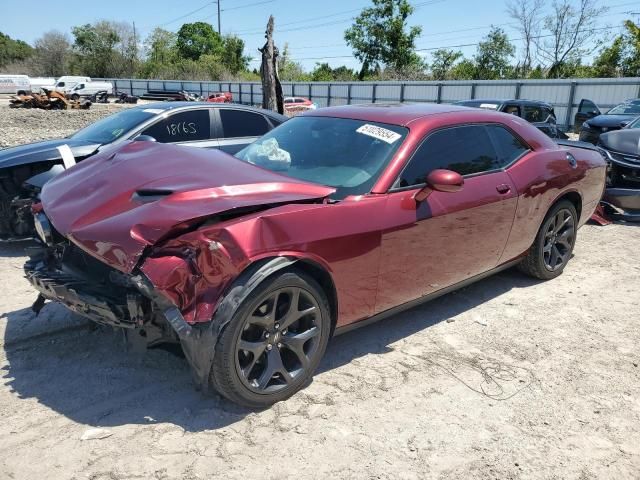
[
  {"x": 449, "y": 46},
  {"x": 186, "y": 14},
  {"x": 257, "y": 31},
  {"x": 446, "y": 32},
  {"x": 247, "y": 5}
]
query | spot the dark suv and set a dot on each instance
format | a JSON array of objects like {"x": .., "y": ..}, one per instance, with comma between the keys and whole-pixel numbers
[{"x": 540, "y": 114}]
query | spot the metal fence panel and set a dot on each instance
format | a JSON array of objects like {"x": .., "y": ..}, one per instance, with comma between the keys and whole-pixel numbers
[
  {"x": 498, "y": 91},
  {"x": 453, "y": 92},
  {"x": 564, "y": 95},
  {"x": 420, "y": 93}
]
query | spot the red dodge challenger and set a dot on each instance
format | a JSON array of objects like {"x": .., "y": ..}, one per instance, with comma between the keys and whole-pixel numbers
[{"x": 337, "y": 217}]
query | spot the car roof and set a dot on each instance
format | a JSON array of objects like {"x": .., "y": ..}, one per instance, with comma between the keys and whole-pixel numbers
[
  {"x": 168, "y": 106},
  {"x": 392, "y": 113},
  {"x": 501, "y": 101}
]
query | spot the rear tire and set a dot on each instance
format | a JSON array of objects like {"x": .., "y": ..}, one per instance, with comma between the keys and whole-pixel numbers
[
  {"x": 269, "y": 350},
  {"x": 553, "y": 246}
]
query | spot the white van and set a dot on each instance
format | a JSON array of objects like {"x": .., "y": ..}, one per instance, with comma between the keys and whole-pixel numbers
[
  {"x": 66, "y": 83},
  {"x": 85, "y": 89},
  {"x": 38, "y": 83},
  {"x": 15, "y": 84}
]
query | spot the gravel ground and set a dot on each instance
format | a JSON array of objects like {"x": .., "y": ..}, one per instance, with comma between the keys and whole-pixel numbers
[
  {"x": 19, "y": 125},
  {"x": 508, "y": 379}
]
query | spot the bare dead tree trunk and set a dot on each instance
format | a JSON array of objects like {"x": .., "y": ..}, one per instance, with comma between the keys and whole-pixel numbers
[{"x": 272, "y": 98}]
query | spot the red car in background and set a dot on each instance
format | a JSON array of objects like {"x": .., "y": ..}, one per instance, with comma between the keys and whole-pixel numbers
[
  {"x": 298, "y": 104},
  {"x": 337, "y": 217},
  {"x": 220, "y": 97}
]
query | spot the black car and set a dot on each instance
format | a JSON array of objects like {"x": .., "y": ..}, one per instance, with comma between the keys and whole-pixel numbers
[
  {"x": 622, "y": 149},
  {"x": 24, "y": 169},
  {"x": 591, "y": 122},
  {"x": 540, "y": 114}
]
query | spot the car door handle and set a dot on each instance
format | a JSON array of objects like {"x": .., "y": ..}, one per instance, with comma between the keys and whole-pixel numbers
[{"x": 503, "y": 189}]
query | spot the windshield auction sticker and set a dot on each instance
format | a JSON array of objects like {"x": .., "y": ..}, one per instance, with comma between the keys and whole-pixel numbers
[{"x": 379, "y": 133}]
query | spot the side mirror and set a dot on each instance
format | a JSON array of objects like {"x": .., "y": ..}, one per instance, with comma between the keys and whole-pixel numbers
[
  {"x": 145, "y": 138},
  {"x": 441, "y": 181}
]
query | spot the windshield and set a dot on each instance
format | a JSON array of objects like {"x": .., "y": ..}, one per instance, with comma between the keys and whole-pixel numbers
[
  {"x": 346, "y": 154},
  {"x": 629, "y": 108},
  {"x": 635, "y": 123},
  {"x": 113, "y": 127},
  {"x": 486, "y": 104}
]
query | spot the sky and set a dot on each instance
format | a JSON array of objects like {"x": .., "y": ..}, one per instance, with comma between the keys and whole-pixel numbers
[{"x": 314, "y": 30}]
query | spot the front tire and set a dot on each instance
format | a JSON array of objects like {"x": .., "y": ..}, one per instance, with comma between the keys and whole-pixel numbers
[
  {"x": 553, "y": 246},
  {"x": 274, "y": 341}
]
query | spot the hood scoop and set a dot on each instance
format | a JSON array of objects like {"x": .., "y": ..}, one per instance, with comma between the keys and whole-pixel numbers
[
  {"x": 150, "y": 195},
  {"x": 112, "y": 207}
]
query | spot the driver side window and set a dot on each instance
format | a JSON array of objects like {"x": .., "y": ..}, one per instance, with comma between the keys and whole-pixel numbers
[{"x": 467, "y": 150}]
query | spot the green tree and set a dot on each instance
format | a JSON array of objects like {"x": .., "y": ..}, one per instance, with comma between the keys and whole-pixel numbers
[
  {"x": 288, "y": 70},
  {"x": 322, "y": 73},
  {"x": 379, "y": 36},
  {"x": 197, "y": 39},
  {"x": 442, "y": 63},
  {"x": 95, "y": 47},
  {"x": 622, "y": 57},
  {"x": 52, "y": 53},
  {"x": 233, "y": 54},
  {"x": 465, "y": 70},
  {"x": 492, "y": 57},
  {"x": 13, "y": 50},
  {"x": 608, "y": 63},
  {"x": 631, "y": 60},
  {"x": 160, "y": 46}
]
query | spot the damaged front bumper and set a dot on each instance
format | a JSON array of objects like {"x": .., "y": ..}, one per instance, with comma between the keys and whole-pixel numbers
[
  {"x": 622, "y": 203},
  {"x": 65, "y": 274},
  {"x": 622, "y": 195}
]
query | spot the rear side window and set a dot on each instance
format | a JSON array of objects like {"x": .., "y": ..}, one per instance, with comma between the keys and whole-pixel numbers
[
  {"x": 467, "y": 150},
  {"x": 508, "y": 146},
  {"x": 533, "y": 114},
  {"x": 187, "y": 126},
  {"x": 238, "y": 123}
]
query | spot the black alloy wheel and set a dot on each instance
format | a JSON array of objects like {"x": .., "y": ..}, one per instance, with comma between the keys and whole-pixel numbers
[
  {"x": 553, "y": 245},
  {"x": 559, "y": 239},
  {"x": 274, "y": 341},
  {"x": 278, "y": 340}
]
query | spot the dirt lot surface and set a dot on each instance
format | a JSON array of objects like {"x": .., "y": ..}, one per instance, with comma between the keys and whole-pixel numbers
[
  {"x": 19, "y": 125},
  {"x": 508, "y": 379}
]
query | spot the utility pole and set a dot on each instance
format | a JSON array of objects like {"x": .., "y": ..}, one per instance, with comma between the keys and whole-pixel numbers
[{"x": 219, "y": 30}]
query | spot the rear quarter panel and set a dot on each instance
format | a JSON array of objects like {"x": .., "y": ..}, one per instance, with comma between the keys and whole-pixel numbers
[{"x": 542, "y": 178}]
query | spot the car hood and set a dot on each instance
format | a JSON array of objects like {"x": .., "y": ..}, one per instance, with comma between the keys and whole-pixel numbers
[
  {"x": 623, "y": 141},
  {"x": 44, "y": 151},
  {"x": 610, "y": 121},
  {"x": 118, "y": 202}
]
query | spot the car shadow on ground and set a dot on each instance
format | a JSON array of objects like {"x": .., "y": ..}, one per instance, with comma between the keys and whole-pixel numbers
[{"x": 86, "y": 373}]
